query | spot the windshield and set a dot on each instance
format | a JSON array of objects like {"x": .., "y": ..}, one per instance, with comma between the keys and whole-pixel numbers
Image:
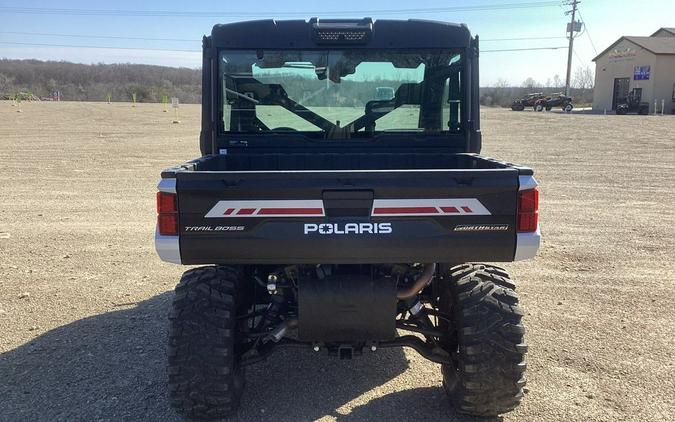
[{"x": 340, "y": 94}]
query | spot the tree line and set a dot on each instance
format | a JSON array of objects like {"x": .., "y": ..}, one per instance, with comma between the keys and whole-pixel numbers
[
  {"x": 98, "y": 82},
  {"x": 119, "y": 82}
]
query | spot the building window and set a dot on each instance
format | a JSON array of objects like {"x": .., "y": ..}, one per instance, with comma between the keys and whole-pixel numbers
[{"x": 673, "y": 92}]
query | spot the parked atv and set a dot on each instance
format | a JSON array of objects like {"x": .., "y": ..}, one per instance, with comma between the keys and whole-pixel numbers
[
  {"x": 529, "y": 100},
  {"x": 633, "y": 105},
  {"x": 555, "y": 100}
]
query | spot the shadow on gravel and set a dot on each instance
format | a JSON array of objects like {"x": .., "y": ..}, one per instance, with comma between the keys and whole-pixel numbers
[
  {"x": 112, "y": 367},
  {"x": 425, "y": 403}
]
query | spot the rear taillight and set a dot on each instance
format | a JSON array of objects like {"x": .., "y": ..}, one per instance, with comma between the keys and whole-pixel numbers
[
  {"x": 167, "y": 213},
  {"x": 528, "y": 210},
  {"x": 166, "y": 202}
]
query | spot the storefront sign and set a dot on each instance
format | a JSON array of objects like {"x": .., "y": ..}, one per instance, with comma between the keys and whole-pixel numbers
[
  {"x": 622, "y": 53},
  {"x": 641, "y": 73}
]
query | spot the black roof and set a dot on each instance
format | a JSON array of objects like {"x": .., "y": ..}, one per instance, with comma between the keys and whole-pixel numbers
[{"x": 270, "y": 33}]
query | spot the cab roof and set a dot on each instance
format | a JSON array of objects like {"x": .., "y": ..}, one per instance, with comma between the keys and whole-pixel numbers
[{"x": 301, "y": 34}]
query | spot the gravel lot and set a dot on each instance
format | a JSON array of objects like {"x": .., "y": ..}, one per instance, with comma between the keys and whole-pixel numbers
[{"x": 83, "y": 298}]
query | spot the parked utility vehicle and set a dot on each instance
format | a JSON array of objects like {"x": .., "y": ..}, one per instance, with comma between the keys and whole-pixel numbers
[
  {"x": 338, "y": 222},
  {"x": 554, "y": 100},
  {"x": 529, "y": 100},
  {"x": 633, "y": 104}
]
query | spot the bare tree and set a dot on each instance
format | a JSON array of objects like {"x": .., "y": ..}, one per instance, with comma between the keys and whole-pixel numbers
[
  {"x": 530, "y": 83},
  {"x": 583, "y": 82},
  {"x": 501, "y": 92},
  {"x": 557, "y": 82},
  {"x": 501, "y": 83},
  {"x": 5, "y": 84},
  {"x": 583, "y": 78}
]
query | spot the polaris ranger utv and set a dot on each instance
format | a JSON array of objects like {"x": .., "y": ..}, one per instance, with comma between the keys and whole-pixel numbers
[{"x": 332, "y": 220}]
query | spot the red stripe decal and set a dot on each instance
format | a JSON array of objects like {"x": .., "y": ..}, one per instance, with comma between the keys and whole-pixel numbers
[
  {"x": 228, "y": 211},
  {"x": 246, "y": 211},
  {"x": 406, "y": 210},
  {"x": 450, "y": 210},
  {"x": 467, "y": 209},
  {"x": 290, "y": 211}
]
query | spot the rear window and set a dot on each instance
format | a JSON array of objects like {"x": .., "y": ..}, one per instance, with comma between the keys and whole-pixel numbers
[{"x": 341, "y": 94}]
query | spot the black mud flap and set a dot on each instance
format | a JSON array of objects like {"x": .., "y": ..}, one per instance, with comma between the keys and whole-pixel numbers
[{"x": 349, "y": 308}]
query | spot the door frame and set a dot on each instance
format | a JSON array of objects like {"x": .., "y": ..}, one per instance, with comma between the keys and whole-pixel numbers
[{"x": 615, "y": 97}]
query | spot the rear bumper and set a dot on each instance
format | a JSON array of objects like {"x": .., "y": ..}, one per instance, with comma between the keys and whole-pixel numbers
[
  {"x": 527, "y": 245},
  {"x": 168, "y": 248},
  {"x": 403, "y": 240}
]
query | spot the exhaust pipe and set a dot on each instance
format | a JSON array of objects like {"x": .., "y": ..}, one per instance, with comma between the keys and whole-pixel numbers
[{"x": 419, "y": 284}]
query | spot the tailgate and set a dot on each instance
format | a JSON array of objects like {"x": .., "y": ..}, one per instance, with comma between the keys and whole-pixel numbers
[{"x": 380, "y": 216}]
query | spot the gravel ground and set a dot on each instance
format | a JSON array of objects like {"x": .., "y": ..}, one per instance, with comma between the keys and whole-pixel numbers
[{"x": 83, "y": 298}]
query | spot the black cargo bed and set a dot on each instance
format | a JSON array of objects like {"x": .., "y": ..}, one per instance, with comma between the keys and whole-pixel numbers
[{"x": 343, "y": 162}]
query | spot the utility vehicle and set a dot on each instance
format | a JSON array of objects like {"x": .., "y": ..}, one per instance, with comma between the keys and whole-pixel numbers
[
  {"x": 323, "y": 218},
  {"x": 529, "y": 100},
  {"x": 554, "y": 100},
  {"x": 633, "y": 104}
]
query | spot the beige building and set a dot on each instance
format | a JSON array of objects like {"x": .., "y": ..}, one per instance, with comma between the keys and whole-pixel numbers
[{"x": 642, "y": 66}]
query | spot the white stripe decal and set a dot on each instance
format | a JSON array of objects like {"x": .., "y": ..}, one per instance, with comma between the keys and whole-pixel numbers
[
  {"x": 381, "y": 208},
  {"x": 427, "y": 207},
  {"x": 267, "y": 208}
]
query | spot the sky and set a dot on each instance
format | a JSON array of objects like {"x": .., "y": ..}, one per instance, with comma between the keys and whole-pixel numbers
[{"x": 65, "y": 30}]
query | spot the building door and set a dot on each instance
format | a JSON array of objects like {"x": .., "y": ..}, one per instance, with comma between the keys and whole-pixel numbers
[{"x": 621, "y": 86}]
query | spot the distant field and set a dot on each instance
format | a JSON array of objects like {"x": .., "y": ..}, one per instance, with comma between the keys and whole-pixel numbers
[{"x": 84, "y": 299}]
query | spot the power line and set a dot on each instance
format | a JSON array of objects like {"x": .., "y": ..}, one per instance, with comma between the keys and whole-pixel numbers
[
  {"x": 577, "y": 55},
  {"x": 198, "y": 51},
  {"x": 522, "y": 39},
  {"x": 588, "y": 34},
  {"x": 215, "y": 14},
  {"x": 524, "y": 49},
  {"x": 114, "y": 37},
  {"x": 96, "y": 46},
  {"x": 111, "y": 37}
]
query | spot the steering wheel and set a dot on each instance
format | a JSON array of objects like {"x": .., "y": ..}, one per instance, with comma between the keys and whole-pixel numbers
[{"x": 284, "y": 129}]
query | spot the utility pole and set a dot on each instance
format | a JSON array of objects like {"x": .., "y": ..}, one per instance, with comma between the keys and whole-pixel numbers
[{"x": 572, "y": 26}]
